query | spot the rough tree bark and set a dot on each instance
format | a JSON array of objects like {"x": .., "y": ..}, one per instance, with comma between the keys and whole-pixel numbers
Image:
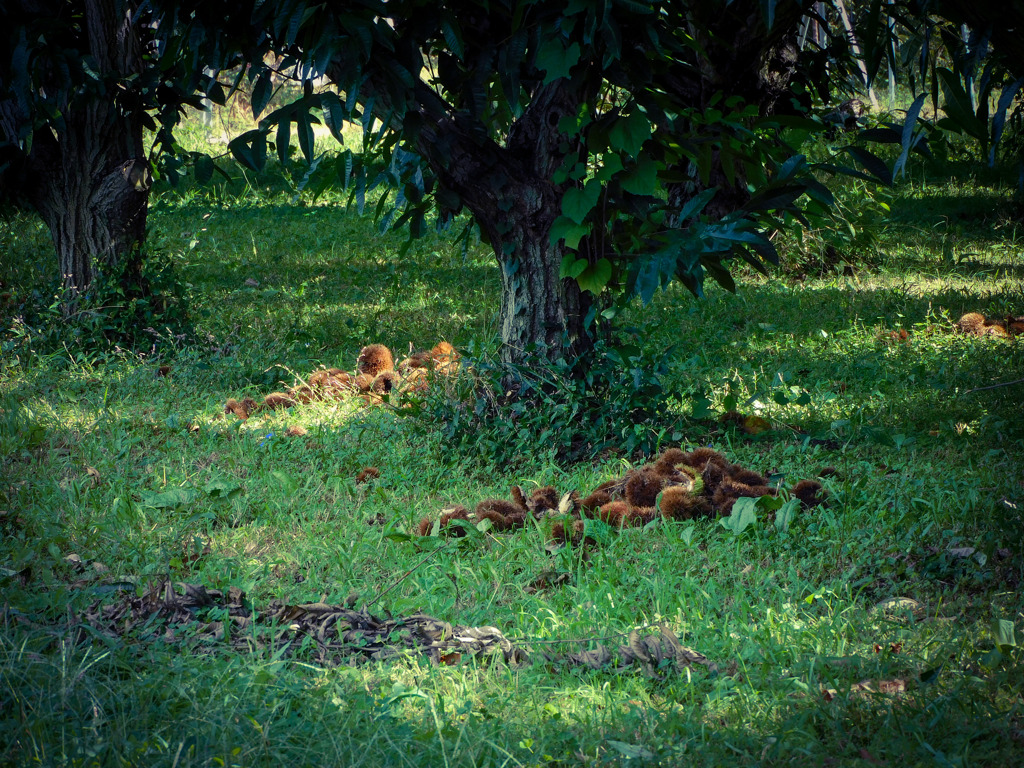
[
  {"x": 89, "y": 180},
  {"x": 508, "y": 188}
]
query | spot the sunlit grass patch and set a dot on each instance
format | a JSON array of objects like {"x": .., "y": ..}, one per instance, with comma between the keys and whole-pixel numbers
[{"x": 813, "y": 662}]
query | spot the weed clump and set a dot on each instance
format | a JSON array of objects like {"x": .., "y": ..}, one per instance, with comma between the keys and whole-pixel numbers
[{"x": 610, "y": 397}]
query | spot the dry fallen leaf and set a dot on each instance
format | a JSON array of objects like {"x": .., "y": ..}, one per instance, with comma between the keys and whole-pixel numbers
[{"x": 93, "y": 474}]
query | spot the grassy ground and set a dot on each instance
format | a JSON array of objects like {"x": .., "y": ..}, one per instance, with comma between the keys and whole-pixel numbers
[{"x": 113, "y": 478}]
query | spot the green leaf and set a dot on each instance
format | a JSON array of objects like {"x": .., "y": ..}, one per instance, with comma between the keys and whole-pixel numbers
[
  {"x": 555, "y": 60},
  {"x": 957, "y": 106},
  {"x": 631, "y": 751},
  {"x": 744, "y": 515},
  {"x": 177, "y": 497},
  {"x": 222, "y": 488},
  {"x": 304, "y": 130},
  {"x": 203, "y": 168},
  {"x": 873, "y": 163},
  {"x": 611, "y": 164},
  {"x": 450, "y": 30},
  {"x": 572, "y": 266},
  {"x": 596, "y": 276},
  {"x": 642, "y": 180},
  {"x": 1003, "y": 635},
  {"x": 334, "y": 114},
  {"x": 285, "y": 481},
  {"x": 261, "y": 94},
  {"x": 566, "y": 229},
  {"x": 786, "y": 514},
  {"x": 577, "y": 203},
  {"x": 696, "y": 204},
  {"x": 907, "y": 138},
  {"x": 283, "y": 137},
  {"x": 250, "y": 149},
  {"x": 628, "y": 134},
  {"x": 701, "y": 406}
]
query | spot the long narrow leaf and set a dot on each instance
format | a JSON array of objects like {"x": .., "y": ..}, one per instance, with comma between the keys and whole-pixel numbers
[
  {"x": 907, "y": 139},
  {"x": 872, "y": 163}
]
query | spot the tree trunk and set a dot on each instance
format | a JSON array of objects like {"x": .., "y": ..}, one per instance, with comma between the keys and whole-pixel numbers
[
  {"x": 541, "y": 314},
  {"x": 92, "y": 191},
  {"x": 88, "y": 178},
  {"x": 509, "y": 191}
]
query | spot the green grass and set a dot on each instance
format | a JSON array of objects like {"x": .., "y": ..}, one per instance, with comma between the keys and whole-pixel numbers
[{"x": 926, "y": 467}]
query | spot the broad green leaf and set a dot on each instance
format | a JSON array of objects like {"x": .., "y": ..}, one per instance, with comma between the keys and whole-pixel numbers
[
  {"x": 1006, "y": 98},
  {"x": 555, "y": 60},
  {"x": 566, "y": 229},
  {"x": 577, "y": 203},
  {"x": 222, "y": 488},
  {"x": 1003, "y": 635},
  {"x": 450, "y": 30},
  {"x": 700, "y": 405},
  {"x": 203, "y": 168},
  {"x": 572, "y": 266},
  {"x": 304, "y": 130},
  {"x": 250, "y": 149},
  {"x": 261, "y": 93},
  {"x": 907, "y": 139},
  {"x": 611, "y": 164},
  {"x": 177, "y": 497},
  {"x": 596, "y": 276},
  {"x": 631, "y": 751},
  {"x": 334, "y": 114},
  {"x": 786, "y": 514},
  {"x": 285, "y": 481},
  {"x": 628, "y": 133},
  {"x": 744, "y": 515},
  {"x": 642, "y": 180},
  {"x": 696, "y": 204}
]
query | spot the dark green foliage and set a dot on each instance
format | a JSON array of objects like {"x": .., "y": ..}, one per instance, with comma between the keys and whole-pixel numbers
[
  {"x": 110, "y": 314},
  {"x": 611, "y": 400}
]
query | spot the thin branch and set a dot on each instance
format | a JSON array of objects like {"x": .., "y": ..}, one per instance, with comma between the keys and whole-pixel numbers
[
  {"x": 992, "y": 386},
  {"x": 404, "y": 576}
]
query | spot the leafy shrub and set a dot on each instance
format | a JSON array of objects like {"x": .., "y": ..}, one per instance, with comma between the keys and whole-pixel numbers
[
  {"x": 612, "y": 399},
  {"x": 136, "y": 313}
]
